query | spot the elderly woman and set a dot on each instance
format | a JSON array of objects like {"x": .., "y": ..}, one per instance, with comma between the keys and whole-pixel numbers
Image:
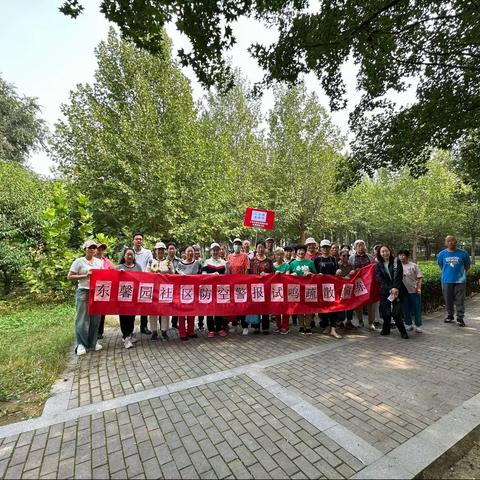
[{"x": 86, "y": 326}]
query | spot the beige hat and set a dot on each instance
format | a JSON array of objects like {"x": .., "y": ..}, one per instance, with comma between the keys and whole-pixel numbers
[
  {"x": 237, "y": 240},
  {"x": 89, "y": 243},
  {"x": 214, "y": 245},
  {"x": 325, "y": 243},
  {"x": 310, "y": 240},
  {"x": 160, "y": 245}
]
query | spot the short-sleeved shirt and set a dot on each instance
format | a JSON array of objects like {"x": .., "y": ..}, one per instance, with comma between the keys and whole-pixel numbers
[
  {"x": 360, "y": 261},
  {"x": 133, "y": 268},
  {"x": 283, "y": 268},
  {"x": 213, "y": 265},
  {"x": 188, "y": 268},
  {"x": 345, "y": 269},
  {"x": 301, "y": 267},
  {"x": 143, "y": 258},
  {"x": 326, "y": 265},
  {"x": 411, "y": 274},
  {"x": 453, "y": 265},
  {"x": 238, "y": 263},
  {"x": 81, "y": 266},
  {"x": 258, "y": 266},
  {"x": 311, "y": 256},
  {"x": 106, "y": 262}
]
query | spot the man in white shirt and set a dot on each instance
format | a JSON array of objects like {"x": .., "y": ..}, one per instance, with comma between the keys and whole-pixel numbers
[{"x": 144, "y": 258}]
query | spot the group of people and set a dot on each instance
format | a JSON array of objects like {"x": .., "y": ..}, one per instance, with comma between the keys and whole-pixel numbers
[{"x": 400, "y": 286}]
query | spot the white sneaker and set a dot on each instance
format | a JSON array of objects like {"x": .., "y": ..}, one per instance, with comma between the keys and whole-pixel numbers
[
  {"x": 128, "y": 342},
  {"x": 81, "y": 350},
  {"x": 410, "y": 328},
  {"x": 418, "y": 329},
  {"x": 371, "y": 326},
  {"x": 245, "y": 331},
  {"x": 133, "y": 339},
  {"x": 98, "y": 347}
]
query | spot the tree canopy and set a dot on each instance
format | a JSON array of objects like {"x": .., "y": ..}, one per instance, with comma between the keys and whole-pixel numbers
[{"x": 393, "y": 42}]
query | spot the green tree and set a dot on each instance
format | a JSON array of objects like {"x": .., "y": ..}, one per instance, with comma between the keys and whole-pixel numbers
[
  {"x": 23, "y": 196},
  {"x": 299, "y": 178},
  {"x": 391, "y": 41},
  {"x": 21, "y": 129},
  {"x": 129, "y": 141}
]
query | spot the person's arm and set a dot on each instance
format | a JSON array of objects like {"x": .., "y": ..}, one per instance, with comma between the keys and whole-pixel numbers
[
  {"x": 440, "y": 260},
  {"x": 467, "y": 262},
  {"x": 78, "y": 276},
  {"x": 398, "y": 277}
]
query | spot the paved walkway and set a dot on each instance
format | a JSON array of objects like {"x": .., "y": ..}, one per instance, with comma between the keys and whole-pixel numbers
[{"x": 257, "y": 407}]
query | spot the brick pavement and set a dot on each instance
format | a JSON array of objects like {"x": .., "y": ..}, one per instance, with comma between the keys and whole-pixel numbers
[{"x": 281, "y": 407}]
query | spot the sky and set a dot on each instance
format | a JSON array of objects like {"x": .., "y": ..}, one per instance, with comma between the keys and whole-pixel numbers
[{"x": 46, "y": 54}]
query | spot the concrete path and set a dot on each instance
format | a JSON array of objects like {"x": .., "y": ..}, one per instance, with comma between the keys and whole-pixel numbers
[{"x": 257, "y": 407}]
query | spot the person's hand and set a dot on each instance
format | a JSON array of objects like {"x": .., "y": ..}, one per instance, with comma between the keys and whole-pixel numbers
[
  {"x": 278, "y": 271},
  {"x": 307, "y": 273},
  {"x": 216, "y": 273},
  {"x": 262, "y": 273},
  {"x": 88, "y": 274},
  {"x": 338, "y": 272},
  {"x": 293, "y": 273}
]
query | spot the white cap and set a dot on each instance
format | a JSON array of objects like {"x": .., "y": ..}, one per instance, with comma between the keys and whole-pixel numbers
[
  {"x": 89, "y": 243},
  {"x": 160, "y": 245},
  {"x": 357, "y": 242},
  {"x": 237, "y": 240},
  {"x": 214, "y": 244},
  {"x": 325, "y": 243},
  {"x": 310, "y": 240}
]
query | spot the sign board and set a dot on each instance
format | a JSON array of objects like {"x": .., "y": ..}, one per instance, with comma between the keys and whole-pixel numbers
[{"x": 258, "y": 218}]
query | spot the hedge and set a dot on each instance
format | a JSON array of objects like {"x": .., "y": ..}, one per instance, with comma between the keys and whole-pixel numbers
[{"x": 432, "y": 297}]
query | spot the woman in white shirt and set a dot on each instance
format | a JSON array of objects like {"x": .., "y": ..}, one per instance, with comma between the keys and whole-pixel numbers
[{"x": 86, "y": 326}]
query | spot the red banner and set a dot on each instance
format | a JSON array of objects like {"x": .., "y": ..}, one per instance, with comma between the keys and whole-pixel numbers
[
  {"x": 258, "y": 218},
  {"x": 138, "y": 293}
]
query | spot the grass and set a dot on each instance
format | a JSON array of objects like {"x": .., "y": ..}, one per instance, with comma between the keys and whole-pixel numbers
[{"x": 33, "y": 351}]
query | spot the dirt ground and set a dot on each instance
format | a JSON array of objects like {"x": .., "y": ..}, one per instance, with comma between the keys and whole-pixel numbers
[{"x": 466, "y": 468}]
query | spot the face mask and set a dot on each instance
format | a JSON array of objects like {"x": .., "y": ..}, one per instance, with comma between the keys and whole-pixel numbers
[{"x": 236, "y": 248}]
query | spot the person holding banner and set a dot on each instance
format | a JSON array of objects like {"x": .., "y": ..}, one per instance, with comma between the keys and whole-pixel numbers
[
  {"x": 215, "y": 266},
  {"x": 86, "y": 326},
  {"x": 260, "y": 265},
  {"x": 189, "y": 266},
  {"x": 280, "y": 266},
  {"x": 312, "y": 249},
  {"x": 160, "y": 264},
  {"x": 389, "y": 273},
  {"x": 303, "y": 266},
  {"x": 127, "y": 322},
  {"x": 345, "y": 270}
]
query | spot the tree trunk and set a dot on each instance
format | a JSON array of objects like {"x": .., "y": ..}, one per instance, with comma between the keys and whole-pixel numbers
[
  {"x": 472, "y": 250},
  {"x": 414, "y": 249},
  {"x": 302, "y": 237},
  {"x": 7, "y": 283}
]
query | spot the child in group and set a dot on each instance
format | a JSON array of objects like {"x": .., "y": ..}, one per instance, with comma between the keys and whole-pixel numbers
[{"x": 303, "y": 266}]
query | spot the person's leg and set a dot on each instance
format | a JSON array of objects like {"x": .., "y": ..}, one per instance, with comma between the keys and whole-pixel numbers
[
  {"x": 448, "y": 296},
  {"x": 284, "y": 323},
  {"x": 124, "y": 325},
  {"x": 101, "y": 326},
  {"x": 416, "y": 306},
  {"x": 182, "y": 333},
  {"x": 143, "y": 325},
  {"x": 266, "y": 324},
  {"x": 130, "y": 325},
  {"x": 406, "y": 310},
  {"x": 460, "y": 302},
  {"x": 153, "y": 324},
  {"x": 94, "y": 322},
  {"x": 332, "y": 322},
  {"x": 219, "y": 324},
  {"x": 301, "y": 322},
  {"x": 191, "y": 326},
  {"x": 81, "y": 317},
  {"x": 387, "y": 320},
  {"x": 400, "y": 325},
  {"x": 323, "y": 320},
  {"x": 201, "y": 320},
  {"x": 294, "y": 319},
  {"x": 359, "y": 313},
  {"x": 371, "y": 314},
  {"x": 174, "y": 322}
]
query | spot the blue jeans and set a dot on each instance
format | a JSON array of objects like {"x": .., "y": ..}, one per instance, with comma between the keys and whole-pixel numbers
[
  {"x": 412, "y": 303},
  {"x": 86, "y": 326}
]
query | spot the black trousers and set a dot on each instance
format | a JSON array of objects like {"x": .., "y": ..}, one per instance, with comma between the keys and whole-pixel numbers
[
  {"x": 328, "y": 319},
  {"x": 175, "y": 322},
  {"x": 215, "y": 324},
  {"x": 265, "y": 323},
  {"x": 101, "y": 326},
  {"x": 143, "y": 322},
  {"x": 127, "y": 324},
  {"x": 200, "y": 321},
  {"x": 388, "y": 313}
]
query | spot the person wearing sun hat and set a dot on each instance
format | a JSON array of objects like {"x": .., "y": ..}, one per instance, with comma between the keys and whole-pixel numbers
[
  {"x": 86, "y": 326},
  {"x": 107, "y": 264},
  {"x": 312, "y": 252}
]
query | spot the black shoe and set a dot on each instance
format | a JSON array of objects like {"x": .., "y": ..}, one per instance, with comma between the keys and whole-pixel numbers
[
  {"x": 193, "y": 335},
  {"x": 405, "y": 335},
  {"x": 301, "y": 331},
  {"x": 184, "y": 339},
  {"x": 100, "y": 336},
  {"x": 145, "y": 331},
  {"x": 164, "y": 335},
  {"x": 154, "y": 337},
  {"x": 448, "y": 320},
  {"x": 308, "y": 331},
  {"x": 460, "y": 322}
]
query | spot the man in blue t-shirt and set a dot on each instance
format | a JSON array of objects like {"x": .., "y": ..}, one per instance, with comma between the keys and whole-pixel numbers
[{"x": 454, "y": 263}]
